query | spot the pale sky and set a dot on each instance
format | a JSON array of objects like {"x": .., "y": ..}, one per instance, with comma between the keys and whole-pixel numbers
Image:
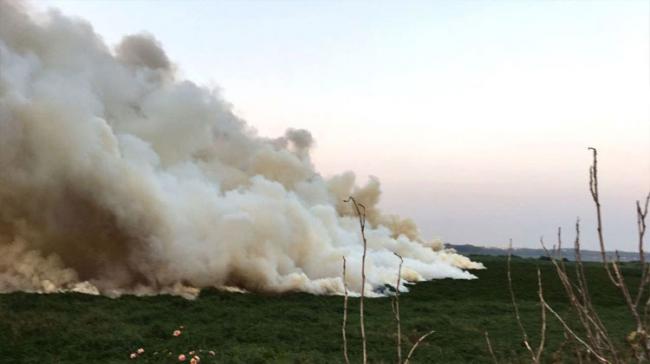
[{"x": 476, "y": 116}]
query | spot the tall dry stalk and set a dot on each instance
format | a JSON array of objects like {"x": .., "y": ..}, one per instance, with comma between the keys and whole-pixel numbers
[
  {"x": 360, "y": 210},
  {"x": 361, "y": 214},
  {"x": 535, "y": 355},
  {"x": 345, "y": 315},
  {"x": 489, "y": 346},
  {"x": 617, "y": 276},
  {"x": 415, "y": 346},
  {"x": 396, "y": 309},
  {"x": 597, "y": 337},
  {"x": 398, "y": 323},
  {"x": 590, "y": 350},
  {"x": 593, "y": 189},
  {"x": 596, "y": 342},
  {"x": 542, "y": 340}
]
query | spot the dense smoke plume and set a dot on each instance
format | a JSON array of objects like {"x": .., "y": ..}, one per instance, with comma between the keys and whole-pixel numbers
[{"x": 116, "y": 177}]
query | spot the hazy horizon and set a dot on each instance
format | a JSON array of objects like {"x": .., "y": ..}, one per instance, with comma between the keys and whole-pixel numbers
[{"x": 476, "y": 117}]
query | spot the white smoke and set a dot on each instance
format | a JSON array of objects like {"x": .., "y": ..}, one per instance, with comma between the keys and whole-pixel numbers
[{"x": 115, "y": 177}]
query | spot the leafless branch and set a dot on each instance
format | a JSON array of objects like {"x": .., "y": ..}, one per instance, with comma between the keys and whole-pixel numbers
[
  {"x": 641, "y": 214},
  {"x": 573, "y": 334},
  {"x": 597, "y": 343},
  {"x": 593, "y": 188},
  {"x": 580, "y": 300},
  {"x": 617, "y": 277}
]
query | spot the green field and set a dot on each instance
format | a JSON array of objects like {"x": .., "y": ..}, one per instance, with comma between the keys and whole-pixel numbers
[{"x": 298, "y": 327}]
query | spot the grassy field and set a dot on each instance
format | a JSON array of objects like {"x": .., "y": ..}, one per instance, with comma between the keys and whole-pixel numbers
[{"x": 300, "y": 328}]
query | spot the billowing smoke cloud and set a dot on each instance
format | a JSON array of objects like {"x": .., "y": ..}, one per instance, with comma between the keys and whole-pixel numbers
[
  {"x": 143, "y": 50},
  {"x": 115, "y": 177}
]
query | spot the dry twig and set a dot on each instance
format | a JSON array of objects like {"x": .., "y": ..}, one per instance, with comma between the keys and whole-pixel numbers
[
  {"x": 408, "y": 357},
  {"x": 578, "y": 295},
  {"x": 573, "y": 334}
]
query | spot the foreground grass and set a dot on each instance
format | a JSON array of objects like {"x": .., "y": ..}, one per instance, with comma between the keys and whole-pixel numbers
[{"x": 301, "y": 328}]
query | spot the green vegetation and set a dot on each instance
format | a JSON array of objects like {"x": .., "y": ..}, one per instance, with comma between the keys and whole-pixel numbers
[{"x": 302, "y": 328}]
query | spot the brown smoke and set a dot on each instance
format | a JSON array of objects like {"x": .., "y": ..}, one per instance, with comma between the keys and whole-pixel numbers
[{"x": 119, "y": 178}]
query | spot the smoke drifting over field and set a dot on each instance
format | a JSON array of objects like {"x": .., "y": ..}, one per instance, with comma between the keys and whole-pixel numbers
[{"x": 115, "y": 177}]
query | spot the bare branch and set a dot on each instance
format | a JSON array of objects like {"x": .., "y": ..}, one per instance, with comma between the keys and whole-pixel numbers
[
  {"x": 581, "y": 302},
  {"x": 617, "y": 277},
  {"x": 641, "y": 214},
  {"x": 593, "y": 188},
  {"x": 573, "y": 334},
  {"x": 626, "y": 293}
]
